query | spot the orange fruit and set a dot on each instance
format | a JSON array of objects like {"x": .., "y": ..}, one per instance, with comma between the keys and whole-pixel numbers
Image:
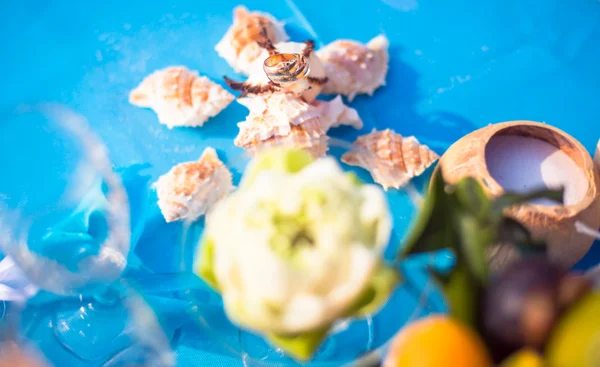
[{"x": 437, "y": 341}]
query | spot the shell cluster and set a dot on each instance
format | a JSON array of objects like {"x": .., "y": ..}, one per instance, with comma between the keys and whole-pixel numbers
[
  {"x": 391, "y": 158},
  {"x": 285, "y": 80},
  {"x": 280, "y": 92},
  {"x": 284, "y": 119},
  {"x": 353, "y": 68},
  {"x": 190, "y": 189},
  {"x": 180, "y": 97}
]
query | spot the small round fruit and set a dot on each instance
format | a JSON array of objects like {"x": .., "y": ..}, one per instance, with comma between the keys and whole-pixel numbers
[
  {"x": 575, "y": 340},
  {"x": 521, "y": 305},
  {"x": 524, "y": 358},
  {"x": 437, "y": 341}
]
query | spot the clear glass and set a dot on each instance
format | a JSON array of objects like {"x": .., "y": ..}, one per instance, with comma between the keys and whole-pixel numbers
[
  {"x": 351, "y": 342},
  {"x": 64, "y": 214},
  {"x": 65, "y": 238}
]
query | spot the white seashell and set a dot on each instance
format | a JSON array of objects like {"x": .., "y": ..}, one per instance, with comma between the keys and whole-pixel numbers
[
  {"x": 274, "y": 115},
  {"x": 308, "y": 87},
  {"x": 335, "y": 113},
  {"x": 307, "y": 136},
  {"x": 238, "y": 46},
  {"x": 180, "y": 97},
  {"x": 353, "y": 68},
  {"x": 190, "y": 189},
  {"x": 391, "y": 159}
]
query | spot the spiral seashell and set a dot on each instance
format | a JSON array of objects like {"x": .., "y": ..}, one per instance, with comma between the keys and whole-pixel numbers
[
  {"x": 391, "y": 159},
  {"x": 335, "y": 113},
  {"x": 274, "y": 115},
  {"x": 306, "y": 136},
  {"x": 180, "y": 97},
  {"x": 239, "y": 45},
  {"x": 190, "y": 189},
  {"x": 353, "y": 68}
]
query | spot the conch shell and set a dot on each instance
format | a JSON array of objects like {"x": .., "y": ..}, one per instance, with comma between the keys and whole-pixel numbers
[
  {"x": 180, "y": 97},
  {"x": 353, "y": 68},
  {"x": 391, "y": 159},
  {"x": 190, "y": 189},
  {"x": 282, "y": 118},
  {"x": 274, "y": 115},
  {"x": 239, "y": 45},
  {"x": 306, "y": 136},
  {"x": 335, "y": 113},
  {"x": 308, "y": 85}
]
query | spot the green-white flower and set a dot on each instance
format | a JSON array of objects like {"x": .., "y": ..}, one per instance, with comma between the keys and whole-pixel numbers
[{"x": 297, "y": 247}]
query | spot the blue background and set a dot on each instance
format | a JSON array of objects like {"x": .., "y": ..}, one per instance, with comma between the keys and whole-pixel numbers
[{"x": 455, "y": 66}]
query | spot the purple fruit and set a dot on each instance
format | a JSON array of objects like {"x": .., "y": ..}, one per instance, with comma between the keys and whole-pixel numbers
[{"x": 521, "y": 305}]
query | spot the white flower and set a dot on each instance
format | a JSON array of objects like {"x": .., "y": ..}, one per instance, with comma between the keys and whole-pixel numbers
[{"x": 291, "y": 252}]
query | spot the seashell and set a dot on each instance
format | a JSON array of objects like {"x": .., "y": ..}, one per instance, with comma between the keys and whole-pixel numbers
[
  {"x": 391, "y": 159},
  {"x": 239, "y": 45},
  {"x": 353, "y": 68},
  {"x": 305, "y": 136},
  {"x": 190, "y": 189},
  {"x": 309, "y": 81},
  {"x": 335, "y": 113},
  {"x": 180, "y": 97},
  {"x": 525, "y": 155},
  {"x": 274, "y": 115}
]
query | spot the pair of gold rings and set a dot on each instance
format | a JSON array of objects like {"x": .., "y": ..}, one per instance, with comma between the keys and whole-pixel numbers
[{"x": 284, "y": 69}]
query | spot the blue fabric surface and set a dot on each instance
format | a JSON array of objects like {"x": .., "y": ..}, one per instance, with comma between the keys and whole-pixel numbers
[{"x": 454, "y": 67}]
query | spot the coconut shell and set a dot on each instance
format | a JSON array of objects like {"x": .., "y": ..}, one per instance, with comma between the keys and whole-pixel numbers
[
  {"x": 597, "y": 156},
  {"x": 555, "y": 224}
]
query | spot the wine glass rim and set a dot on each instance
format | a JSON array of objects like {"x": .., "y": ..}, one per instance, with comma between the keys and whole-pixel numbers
[{"x": 44, "y": 272}]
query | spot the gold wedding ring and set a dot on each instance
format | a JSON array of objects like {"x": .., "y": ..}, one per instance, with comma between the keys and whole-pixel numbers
[{"x": 286, "y": 68}]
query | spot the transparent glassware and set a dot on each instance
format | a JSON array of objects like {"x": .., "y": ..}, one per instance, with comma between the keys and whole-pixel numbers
[
  {"x": 64, "y": 212},
  {"x": 351, "y": 342},
  {"x": 65, "y": 238}
]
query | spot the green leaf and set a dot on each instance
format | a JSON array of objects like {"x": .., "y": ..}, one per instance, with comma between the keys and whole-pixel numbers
[
  {"x": 301, "y": 346},
  {"x": 382, "y": 284},
  {"x": 471, "y": 197},
  {"x": 432, "y": 229},
  {"x": 512, "y": 232},
  {"x": 509, "y": 199},
  {"x": 205, "y": 266},
  {"x": 474, "y": 239},
  {"x": 461, "y": 292}
]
